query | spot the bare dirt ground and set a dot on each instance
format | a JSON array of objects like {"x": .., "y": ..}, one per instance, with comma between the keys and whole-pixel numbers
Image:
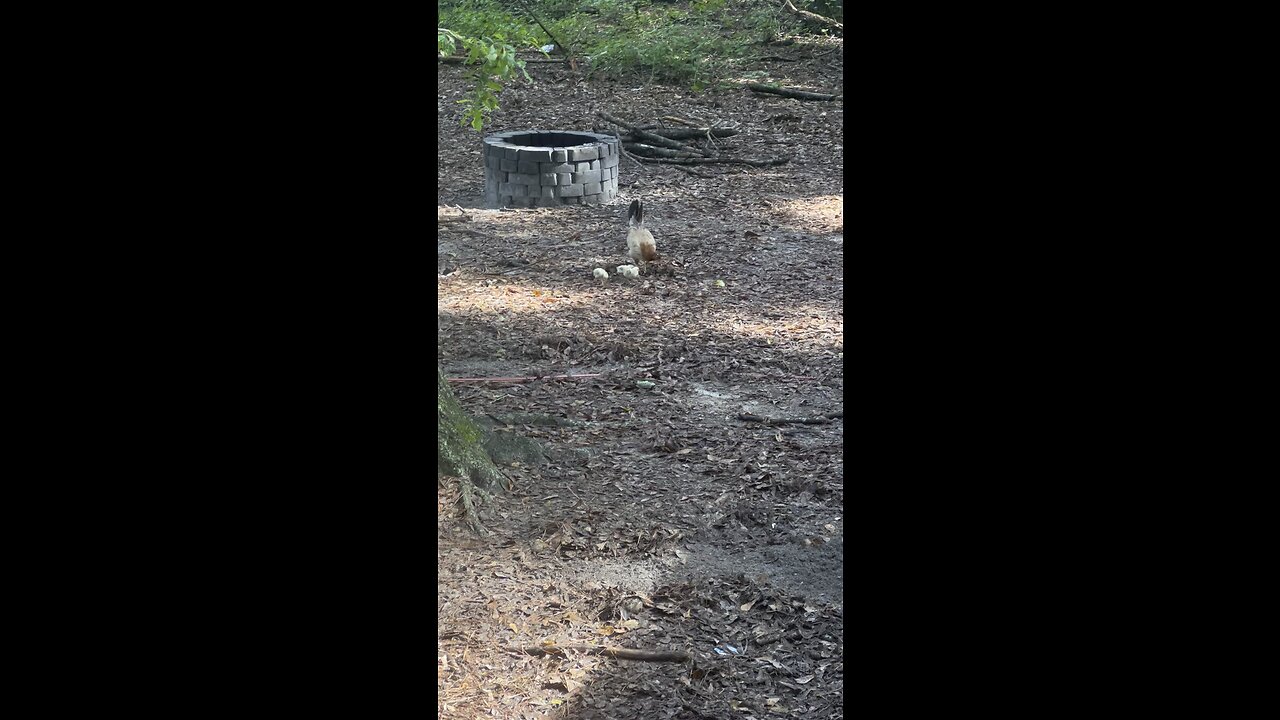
[{"x": 660, "y": 520}]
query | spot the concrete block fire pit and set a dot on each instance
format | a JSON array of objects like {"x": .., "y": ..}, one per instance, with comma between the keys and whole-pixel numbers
[{"x": 545, "y": 168}]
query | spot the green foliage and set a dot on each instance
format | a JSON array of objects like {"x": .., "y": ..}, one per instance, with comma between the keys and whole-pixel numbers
[
  {"x": 668, "y": 52},
  {"x": 495, "y": 63},
  {"x": 693, "y": 44},
  {"x": 489, "y": 19}
]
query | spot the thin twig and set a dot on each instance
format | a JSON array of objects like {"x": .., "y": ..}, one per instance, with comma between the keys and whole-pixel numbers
[
  {"x": 521, "y": 379},
  {"x": 702, "y": 161},
  {"x": 819, "y": 420},
  {"x": 692, "y": 172},
  {"x": 620, "y": 653}
]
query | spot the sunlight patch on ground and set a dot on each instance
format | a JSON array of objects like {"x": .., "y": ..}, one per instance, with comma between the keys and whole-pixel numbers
[
  {"x": 519, "y": 299},
  {"x": 810, "y": 324},
  {"x": 825, "y": 211}
]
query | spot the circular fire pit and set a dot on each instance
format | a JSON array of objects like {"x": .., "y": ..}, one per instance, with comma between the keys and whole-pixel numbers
[{"x": 545, "y": 168}]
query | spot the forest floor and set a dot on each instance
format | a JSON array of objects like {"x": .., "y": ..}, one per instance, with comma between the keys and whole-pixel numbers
[{"x": 728, "y": 532}]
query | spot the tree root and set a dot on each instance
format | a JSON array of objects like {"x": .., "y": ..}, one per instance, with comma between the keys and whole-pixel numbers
[{"x": 466, "y": 491}]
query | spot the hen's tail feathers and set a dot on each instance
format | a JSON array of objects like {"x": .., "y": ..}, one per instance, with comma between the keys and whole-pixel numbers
[{"x": 635, "y": 214}]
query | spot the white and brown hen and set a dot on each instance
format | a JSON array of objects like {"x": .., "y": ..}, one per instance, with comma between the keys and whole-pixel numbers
[{"x": 640, "y": 244}]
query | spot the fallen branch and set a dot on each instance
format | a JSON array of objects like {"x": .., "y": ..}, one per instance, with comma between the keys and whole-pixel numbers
[
  {"x": 788, "y": 92},
  {"x": 620, "y": 653},
  {"x": 643, "y": 150},
  {"x": 702, "y": 161},
  {"x": 688, "y": 133},
  {"x": 623, "y": 149},
  {"x": 814, "y": 17},
  {"x": 819, "y": 420},
  {"x": 646, "y": 135},
  {"x": 520, "y": 379},
  {"x": 678, "y": 121}
]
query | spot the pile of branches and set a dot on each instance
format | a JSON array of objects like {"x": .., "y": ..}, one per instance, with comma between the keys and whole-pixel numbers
[{"x": 674, "y": 144}]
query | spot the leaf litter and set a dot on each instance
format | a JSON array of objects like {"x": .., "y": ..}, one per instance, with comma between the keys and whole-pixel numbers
[{"x": 661, "y": 521}]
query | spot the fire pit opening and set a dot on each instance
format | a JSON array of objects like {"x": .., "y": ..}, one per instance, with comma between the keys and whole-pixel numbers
[{"x": 545, "y": 168}]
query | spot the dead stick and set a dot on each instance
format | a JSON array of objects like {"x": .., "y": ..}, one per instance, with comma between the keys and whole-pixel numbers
[
  {"x": 651, "y": 151},
  {"x": 521, "y": 379},
  {"x": 678, "y": 121},
  {"x": 620, "y": 653},
  {"x": 622, "y": 149},
  {"x": 645, "y": 135},
  {"x": 819, "y": 420},
  {"x": 692, "y": 133},
  {"x": 788, "y": 92},
  {"x": 707, "y": 161}
]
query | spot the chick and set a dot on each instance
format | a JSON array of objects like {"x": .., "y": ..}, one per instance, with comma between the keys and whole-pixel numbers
[
  {"x": 628, "y": 271},
  {"x": 600, "y": 275}
]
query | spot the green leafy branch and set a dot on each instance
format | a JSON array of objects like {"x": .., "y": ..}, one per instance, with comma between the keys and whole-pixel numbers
[{"x": 495, "y": 64}]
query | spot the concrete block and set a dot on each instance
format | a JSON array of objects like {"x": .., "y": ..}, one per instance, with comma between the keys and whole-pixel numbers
[
  {"x": 579, "y": 154},
  {"x": 528, "y": 168},
  {"x": 591, "y": 188},
  {"x": 559, "y": 156},
  {"x": 568, "y": 191},
  {"x": 586, "y": 177},
  {"x": 509, "y": 165},
  {"x": 536, "y": 154}
]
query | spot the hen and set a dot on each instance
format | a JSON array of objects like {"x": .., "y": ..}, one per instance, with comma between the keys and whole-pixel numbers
[{"x": 640, "y": 244}]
